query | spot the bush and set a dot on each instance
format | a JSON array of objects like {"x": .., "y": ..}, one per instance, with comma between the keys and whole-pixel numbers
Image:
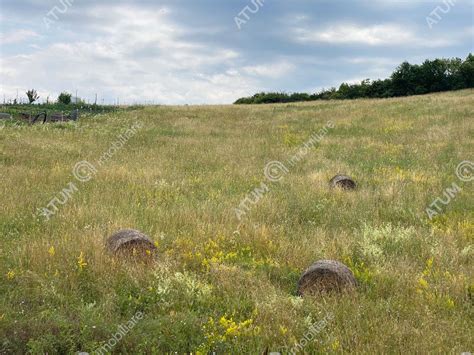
[{"x": 64, "y": 98}]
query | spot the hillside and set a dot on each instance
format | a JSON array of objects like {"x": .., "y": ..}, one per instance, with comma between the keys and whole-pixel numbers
[{"x": 225, "y": 280}]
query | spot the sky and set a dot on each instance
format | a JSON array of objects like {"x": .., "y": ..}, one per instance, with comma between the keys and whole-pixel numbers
[{"x": 213, "y": 52}]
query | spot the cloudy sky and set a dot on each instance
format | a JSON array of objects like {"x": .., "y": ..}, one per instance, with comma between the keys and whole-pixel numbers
[{"x": 193, "y": 51}]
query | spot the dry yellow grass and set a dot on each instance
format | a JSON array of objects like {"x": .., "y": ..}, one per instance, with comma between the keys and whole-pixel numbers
[{"x": 220, "y": 287}]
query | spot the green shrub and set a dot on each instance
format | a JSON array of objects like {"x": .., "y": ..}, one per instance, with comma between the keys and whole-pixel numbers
[{"x": 64, "y": 98}]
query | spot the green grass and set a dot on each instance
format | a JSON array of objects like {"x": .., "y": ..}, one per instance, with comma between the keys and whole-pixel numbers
[
  {"x": 216, "y": 288},
  {"x": 15, "y": 110}
]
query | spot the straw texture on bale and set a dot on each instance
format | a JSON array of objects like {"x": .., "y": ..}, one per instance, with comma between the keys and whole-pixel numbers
[
  {"x": 326, "y": 276},
  {"x": 130, "y": 241},
  {"x": 343, "y": 181}
]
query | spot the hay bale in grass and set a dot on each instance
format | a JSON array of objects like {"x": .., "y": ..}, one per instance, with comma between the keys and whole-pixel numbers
[
  {"x": 326, "y": 276},
  {"x": 130, "y": 242},
  {"x": 343, "y": 181}
]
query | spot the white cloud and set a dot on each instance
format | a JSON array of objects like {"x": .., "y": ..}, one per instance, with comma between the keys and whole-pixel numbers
[
  {"x": 349, "y": 33},
  {"x": 374, "y": 67},
  {"x": 378, "y": 61},
  {"x": 17, "y": 36},
  {"x": 138, "y": 55},
  {"x": 270, "y": 70},
  {"x": 374, "y": 35},
  {"x": 396, "y": 3}
]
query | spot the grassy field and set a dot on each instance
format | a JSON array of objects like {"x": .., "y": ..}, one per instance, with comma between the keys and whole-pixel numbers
[
  {"x": 228, "y": 286},
  {"x": 34, "y": 109}
]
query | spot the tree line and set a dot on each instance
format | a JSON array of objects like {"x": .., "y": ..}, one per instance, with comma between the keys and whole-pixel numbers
[
  {"x": 64, "y": 98},
  {"x": 407, "y": 79}
]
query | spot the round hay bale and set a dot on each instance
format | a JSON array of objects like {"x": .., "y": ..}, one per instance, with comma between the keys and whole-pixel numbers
[
  {"x": 343, "y": 181},
  {"x": 130, "y": 242},
  {"x": 326, "y": 276}
]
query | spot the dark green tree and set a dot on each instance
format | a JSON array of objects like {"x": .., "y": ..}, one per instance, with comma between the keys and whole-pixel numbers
[
  {"x": 467, "y": 71},
  {"x": 64, "y": 98}
]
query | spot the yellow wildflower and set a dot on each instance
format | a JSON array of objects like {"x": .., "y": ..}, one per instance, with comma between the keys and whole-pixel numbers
[
  {"x": 246, "y": 323},
  {"x": 283, "y": 330},
  {"x": 205, "y": 263},
  {"x": 232, "y": 328},
  {"x": 422, "y": 282},
  {"x": 52, "y": 251},
  {"x": 335, "y": 345},
  {"x": 225, "y": 322},
  {"x": 81, "y": 261},
  {"x": 429, "y": 267},
  {"x": 11, "y": 275},
  {"x": 449, "y": 303}
]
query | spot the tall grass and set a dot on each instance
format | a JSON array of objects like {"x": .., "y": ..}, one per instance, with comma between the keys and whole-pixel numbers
[{"x": 218, "y": 286}]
